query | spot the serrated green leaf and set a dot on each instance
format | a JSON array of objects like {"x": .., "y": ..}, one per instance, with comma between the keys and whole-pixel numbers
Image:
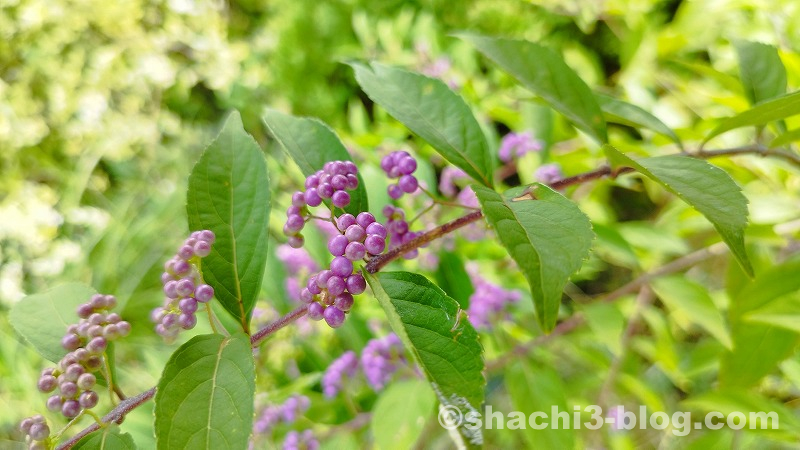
[
  {"x": 706, "y": 187},
  {"x": 535, "y": 390},
  {"x": 400, "y": 414},
  {"x": 229, "y": 195},
  {"x": 205, "y": 395},
  {"x": 434, "y": 112},
  {"x": 452, "y": 277},
  {"x": 438, "y": 335},
  {"x": 58, "y": 305},
  {"x": 311, "y": 143},
  {"x": 778, "y": 108},
  {"x": 544, "y": 72},
  {"x": 692, "y": 300},
  {"x": 109, "y": 438},
  {"x": 761, "y": 71},
  {"x": 759, "y": 348},
  {"x": 548, "y": 237},
  {"x": 625, "y": 113}
]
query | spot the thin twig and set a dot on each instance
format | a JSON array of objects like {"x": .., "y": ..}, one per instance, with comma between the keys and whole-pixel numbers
[{"x": 262, "y": 334}]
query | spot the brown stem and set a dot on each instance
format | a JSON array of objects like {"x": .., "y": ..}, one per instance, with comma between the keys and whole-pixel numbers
[{"x": 262, "y": 334}]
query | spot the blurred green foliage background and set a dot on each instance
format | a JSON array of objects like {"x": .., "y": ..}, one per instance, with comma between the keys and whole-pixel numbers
[{"x": 105, "y": 106}]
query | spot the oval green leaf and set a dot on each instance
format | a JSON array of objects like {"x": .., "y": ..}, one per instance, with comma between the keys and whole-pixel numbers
[
  {"x": 761, "y": 70},
  {"x": 544, "y": 72},
  {"x": 109, "y": 438},
  {"x": 434, "y": 112},
  {"x": 441, "y": 340},
  {"x": 311, "y": 143},
  {"x": 704, "y": 186},
  {"x": 229, "y": 195},
  {"x": 763, "y": 113},
  {"x": 205, "y": 396},
  {"x": 618, "y": 111},
  {"x": 59, "y": 306},
  {"x": 546, "y": 234}
]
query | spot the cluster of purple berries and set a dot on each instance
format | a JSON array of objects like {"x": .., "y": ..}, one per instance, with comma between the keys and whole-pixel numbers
[
  {"x": 86, "y": 342},
  {"x": 517, "y": 145},
  {"x": 300, "y": 440},
  {"x": 329, "y": 293},
  {"x": 286, "y": 412},
  {"x": 398, "y": 228},
  {"x": 548, "y": 173},
  {"x": 400, "y": 165},
  {"x": 36, "y": 432},
  {"x": 183, "y": 288},
  {"x": 343, "y": 366},
  {"x": 489, "y": 300},
  {"x": 298, "y": 264},
  {"x": 332, "y": 182}
]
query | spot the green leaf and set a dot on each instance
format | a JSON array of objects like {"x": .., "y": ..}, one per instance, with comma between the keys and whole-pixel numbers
[
  {"x": 625, "y": 113},
  {"x": 545, "y": 73},
  {"x": 761, "y": 71},
  {"x": 434, "y": 112},
  {"x": 400, "y": 414},
  {"x": 691, "y": 300},
  {"x": 539, "y": 390},
  {"x": 759, "y": 348},
  {"x": 229, "y": 195},
  {"x": 765, "y": 112},
  {"x": 440, "y": 339},
  {"x": 706, "y": 187},
  {"x": 452, "y": 277},
  {"x": 205, "y": 395},
  {"x": 786, "y": 138},
  {"x": 58, "y": 305},
  {"x": 765, "y": 413},
  {"x": 548, "y": 237},
  {"x": 311, "y": 143},
  {"x": 109, "y": 438}
]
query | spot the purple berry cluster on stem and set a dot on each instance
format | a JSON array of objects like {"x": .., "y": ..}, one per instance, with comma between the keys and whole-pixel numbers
[
  {"x": 343, "y": 366},
  {"x": 299, "y": 265},
  {"x": 517, "y": 145},
  {"x": 332, "y": 182},
  {"x": 36, "y": 432},
  {"x": 489, "y": 300},
  {"x": 400, "y": 165},
  {"x": 380, "y": 359},
  {"x": 183, "y": 286},
  {"x": 286, "y": 412},
  {"x": 398, "y": 228},
  {"x": 300, "y": 440},
  {"x": 73, "y": 378}
]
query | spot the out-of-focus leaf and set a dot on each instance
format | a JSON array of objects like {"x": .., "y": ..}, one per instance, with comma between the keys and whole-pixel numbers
[
  {"x": 759, "y": 413},
  {"x": 545, "y": 73},
  {"x": 625, "y": 113},
  {"x": 229, "y": 195},
  {"x": 434, "y": 112},
  {"x": 400, "y": 414},
  {"x": 761, "y": 71},
  {"x": 786, "y": 138},
  {"x": 539, "y": 390},
  {"x": 548, "y": 236},
  {"x": 778, "y": 108},
  {"x": 452, "y": 277},
  {"x": 311, "y": 144}
]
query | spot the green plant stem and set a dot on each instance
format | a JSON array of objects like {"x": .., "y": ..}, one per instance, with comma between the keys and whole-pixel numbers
[{"x": 378, "y": 262}]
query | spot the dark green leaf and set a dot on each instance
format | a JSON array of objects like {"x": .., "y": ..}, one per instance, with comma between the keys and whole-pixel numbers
[
  {"x": 58, "y": 307},
  {"x": 229, "y": 195},
  {"x": 545, "y": 73},
  {"x": 452, "y": 277},
  {"x": 439, "y": 337},
  {"x": 108, "y": 438},
  {"x": 625, "y": 113},
  {"x": 763, "y": 113},
  {"x": 548, "y": 236},
  {"x": 539, "y": 390},
  {"x": 311, "y": 144},
  {"x": 761, "y": 71},
  {"x": 430, "y": 109},
  {"x": 702, "y": 185},
  {"x": 205, "y": 395},
  {"x": 400, "y": 414}
]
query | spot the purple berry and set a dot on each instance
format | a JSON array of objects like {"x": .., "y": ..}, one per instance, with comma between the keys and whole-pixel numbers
[
  {"x": 298, "y": 199},
  {"x": 408, "y": 183},
  {"x": 207, "y": 235},
  {"x": 93, "y": 362},
  {"x": 306, "y": 296},
  {"x": 337, "y": 245},
  {"x": 294, "y": 224},
  {"x": 202, "y": 249},
  {"x": 339, "y": 182},
  {"x": 39, "y": 431},
  {"x": 86, "y": 381},
  {"x": 113, "y": 318},
  {"x": 97, "y": 319},
  {"x": 293, "y": 211},
  {"x": 110, "y": 331},
  {"x": 185, "y": 287},
  {"x": 340, "y": 199},
  {"x": 323, "y": 277},
  {"x": 387, "y": 163},
  {"x": 344, "y": 301},
  {"x": 312, "y": 285},
  {"x": 123, "y": 328},
  {"x": 312, "y": 197},
  {"x": 85, "y": 310},
  {"x": 355, "y": 251},
  {"x": 407, "y": 165},
  {"x": 54, "y": 403},
  {"x": 341, "y": 266},
  {"x": 394, "y": 191},
  {"x": 187, "y": 305},
  {"x": 336, "y": 285},
  {"x": 333, "y": 316},
  {"x": 365, "y": 219},
  {"x": 96, "y": 345},
  {"x": 88, "y": 399},
  {"x": 355, "y": 233},
  {"x": 377, "y": 228},
  {"x": 187, "y": 321},
  {"x": 47, "y": 383},
  {"x": 315, "y": 311},
  {"x": 73, "y": 372},
  {"x": 312, "y": 181},
  {"x": 203, "y": 293},
  {"x": 186, "y": 252},
  {"x": 181, "y": 267},
  {"x": 325, "y": 190},
  {"x": 356, "y": 284},
  {"x": 295, "y": 241},
  {"x": 70, "y": 342},
  {"x": 352, "y": 182},
  {"x": 68, "y": 389},
  {"x": 344, "y": 221}
]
